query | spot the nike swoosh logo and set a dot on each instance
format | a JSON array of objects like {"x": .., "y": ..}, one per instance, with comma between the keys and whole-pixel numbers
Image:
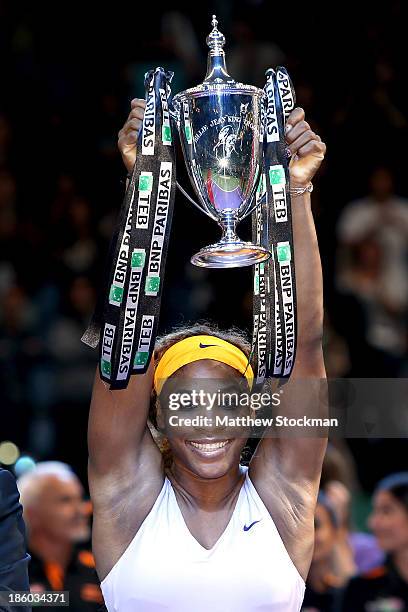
[
  {"x": 207, "y": 345},
  {"x": 251, "y": 525}
]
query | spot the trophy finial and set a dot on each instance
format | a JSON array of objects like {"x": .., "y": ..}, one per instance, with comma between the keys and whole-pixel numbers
[
  {"x": 216, "y": 68},
  {"x": 215, "y": 40}
]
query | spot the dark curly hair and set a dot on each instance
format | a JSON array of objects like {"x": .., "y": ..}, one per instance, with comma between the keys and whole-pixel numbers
[{"x": 233, "y": 335}]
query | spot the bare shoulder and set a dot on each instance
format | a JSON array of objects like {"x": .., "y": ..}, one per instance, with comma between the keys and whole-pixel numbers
[
  {"x": 291, "y": 504},
  {"x": 121, "y": 501}
]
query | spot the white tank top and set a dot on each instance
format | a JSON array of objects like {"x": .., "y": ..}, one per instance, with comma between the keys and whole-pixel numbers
[{"x": 165, "y": 568}]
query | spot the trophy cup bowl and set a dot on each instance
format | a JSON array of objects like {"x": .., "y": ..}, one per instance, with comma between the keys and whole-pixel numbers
[{"x": 220, "y": 124}]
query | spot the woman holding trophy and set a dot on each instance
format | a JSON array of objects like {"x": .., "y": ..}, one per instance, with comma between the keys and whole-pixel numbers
[
  {"x": 153, "y": 566},
  {"x": 183, "y": 526}
]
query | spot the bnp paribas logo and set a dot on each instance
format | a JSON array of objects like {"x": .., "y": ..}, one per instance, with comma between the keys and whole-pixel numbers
[{"x": 283, "y": 251}]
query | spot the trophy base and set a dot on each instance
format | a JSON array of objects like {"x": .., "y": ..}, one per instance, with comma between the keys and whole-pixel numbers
[{"x": 230, "y": 255}]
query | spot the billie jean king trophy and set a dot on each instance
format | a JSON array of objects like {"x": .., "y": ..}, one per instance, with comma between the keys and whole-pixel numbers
[{"x": 221, "y": 125}]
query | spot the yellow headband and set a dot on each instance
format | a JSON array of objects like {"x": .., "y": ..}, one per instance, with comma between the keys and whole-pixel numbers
[{"x": 195, "y": 348}]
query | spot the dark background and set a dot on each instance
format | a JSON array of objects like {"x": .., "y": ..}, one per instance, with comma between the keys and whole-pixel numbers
[{"x": 68, "y": 73}]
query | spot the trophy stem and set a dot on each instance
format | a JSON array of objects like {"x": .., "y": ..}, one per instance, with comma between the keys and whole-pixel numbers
[
  {"x": 228, "y": 222},
  {"x": 230, "y": 251}
]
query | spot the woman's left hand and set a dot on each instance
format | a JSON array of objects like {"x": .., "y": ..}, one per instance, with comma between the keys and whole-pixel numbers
[{"x": 306, "y": 147}]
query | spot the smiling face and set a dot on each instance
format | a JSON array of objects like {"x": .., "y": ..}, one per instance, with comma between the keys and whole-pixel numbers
[
  {"x": 389, "y": 522},
  {"x": 203, "y": 445}
]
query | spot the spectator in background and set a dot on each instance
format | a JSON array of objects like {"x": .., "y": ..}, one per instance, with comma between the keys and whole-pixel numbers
[
  {"x": 338, "y": 482},
  {"x": 81, "y": 251},
  {"x": 13, "y": 551},
  {"x": 362, "y": 547},
  {"x": 74, "y": 363},
  {"x": 373, "y": 279},
  {"x": 18, "y": 343},
  {"x": 8, "y": 227},
  {"x": 65, "y": 191},
  {"x": 249, "y": 57},
  {"x": 57, "y": 523},
  {"x": 381, "y": 216},
  {"x": 384, "y": 319},
  {"x": 5, "y": 139},
  {"x": 178, "y": 35},
  {"x": 384, "y": 98},
  {"x": 385, "y": 587},
  {"x": 20, "y": 237},
  {"x": 331, "y": 567}
]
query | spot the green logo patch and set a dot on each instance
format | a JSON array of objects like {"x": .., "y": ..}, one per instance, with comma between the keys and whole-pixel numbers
[
  {"x": 141, "y": 358},
  {"x": 105, "y": 367},
  {"x": 187, "y": 130},
  {"x": 138, "y": 259},
  {"x": 116, "y": 294},
  {"x": 152, "y": 284},
  {"x": 256, "y": 284},
  {"x": 166, "y": 133},
  {"x": 145, "y": 182},
  {"x": 276, "y": 176},
  {"x": 284, "y": 253}
]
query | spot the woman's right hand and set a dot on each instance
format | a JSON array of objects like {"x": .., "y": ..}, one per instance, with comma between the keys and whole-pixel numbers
[{"x": 127, "y": 136}]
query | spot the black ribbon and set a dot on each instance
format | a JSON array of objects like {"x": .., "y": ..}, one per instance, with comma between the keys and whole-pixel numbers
[
  {"x": 274, "y": 303},
  {"x": 126, "y": 317}
]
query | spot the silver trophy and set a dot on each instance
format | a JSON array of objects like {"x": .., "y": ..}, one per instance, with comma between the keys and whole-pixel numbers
[{"x": 220, "y": 124}]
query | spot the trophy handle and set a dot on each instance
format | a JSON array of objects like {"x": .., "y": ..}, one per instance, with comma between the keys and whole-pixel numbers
[
  {"x": 174, "y": 110},
  {"x": 190, "y": 199},
  {"x": 252, "y": 202}
]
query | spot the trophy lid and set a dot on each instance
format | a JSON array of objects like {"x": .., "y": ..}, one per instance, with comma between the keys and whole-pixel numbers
[
  {"x": 216, "y": 68},
  {"x": 217, "y": 77},
  {"x": 215, "y": 40}
]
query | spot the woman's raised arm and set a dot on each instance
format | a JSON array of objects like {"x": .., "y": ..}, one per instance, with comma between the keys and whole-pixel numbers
[
  {"x": 117, "y": 428},
  {"x": 125, "y": 467},
  {"x": 287, "y": 464}
]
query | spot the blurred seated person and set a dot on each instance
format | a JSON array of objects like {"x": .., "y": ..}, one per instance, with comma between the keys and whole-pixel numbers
[
  {"x": 339, "y": 482},
  {"x": 383, "y": 308},
  {"x": 385, "y": 588},
  {"x": 332, "y": 564},
  {"x": 57, "y": 520},
  {"x": 373, "y": 279},
  {"x": 384, "y": 216}
]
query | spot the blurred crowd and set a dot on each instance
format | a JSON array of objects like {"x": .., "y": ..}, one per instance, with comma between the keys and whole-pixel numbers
[
  {"x": 68, "y": 90},
  {"x": 61, "y": 183},
  {"x": 351, "y": 570}
]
